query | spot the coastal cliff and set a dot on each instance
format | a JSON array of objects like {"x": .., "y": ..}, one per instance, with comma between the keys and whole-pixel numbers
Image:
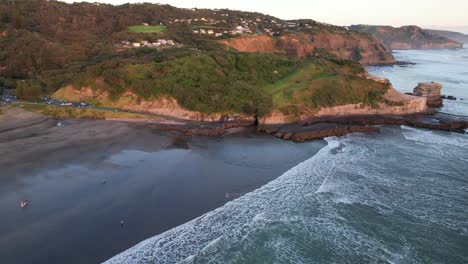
[
  {"x": 408, "y": 37},
  {"x": 457, "y": 36},
  {"x": 344, "y": 45},
  {"x": 164, "y": 106},
  {"x": 396, "y": 104}
]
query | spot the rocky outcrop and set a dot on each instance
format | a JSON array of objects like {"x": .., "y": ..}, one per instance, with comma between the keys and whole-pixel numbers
[
  {"x": 408, "y": 37},
  {"x": 431, "y": 91},
  {"x": 397, "y": 104},
  {"x": 342, "y": 125},
  {"x": 344, "y": 45},
  {"x": 302, "y": 133}
]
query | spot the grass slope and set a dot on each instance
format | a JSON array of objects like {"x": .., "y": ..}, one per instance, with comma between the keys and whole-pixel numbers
[
  {"x": 147, "y": 29},
  {"x": 322, "y": 83},
  {"x": 233, "y": 82}
]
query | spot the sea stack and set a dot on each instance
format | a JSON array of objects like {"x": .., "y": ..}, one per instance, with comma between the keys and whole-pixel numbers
[{"x": 431, "y": 90}]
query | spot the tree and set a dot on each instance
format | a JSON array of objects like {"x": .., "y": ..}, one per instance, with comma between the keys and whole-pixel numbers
[{"x": 28, "y": 90}]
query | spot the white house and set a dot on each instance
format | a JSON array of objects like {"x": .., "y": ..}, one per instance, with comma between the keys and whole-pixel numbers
[{"x": 136, "y": 44}]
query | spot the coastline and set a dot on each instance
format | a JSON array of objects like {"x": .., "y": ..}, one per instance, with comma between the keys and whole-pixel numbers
[
  {"x": 85, "y": 176},
  {"x": 308, "y": 128}
]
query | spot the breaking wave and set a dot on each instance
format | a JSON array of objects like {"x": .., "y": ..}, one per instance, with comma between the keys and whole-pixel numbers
[
  {"x": 353, "y": 202},
  {"x": 435, "y": 137}
]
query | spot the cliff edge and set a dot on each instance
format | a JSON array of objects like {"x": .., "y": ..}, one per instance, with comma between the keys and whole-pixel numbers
[
  {"x": 344, "y": 45},
  {"x": 408, "y": 37}
]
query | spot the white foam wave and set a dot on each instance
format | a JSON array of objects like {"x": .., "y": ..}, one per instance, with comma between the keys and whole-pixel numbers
[
  {"x": 309, "y": 208},
  {"x": 435, "y": 137},
  {"x": 238, "y": 221}
]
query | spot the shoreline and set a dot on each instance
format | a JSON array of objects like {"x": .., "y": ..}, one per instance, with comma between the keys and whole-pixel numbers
[
  {"x": 84, "y": 177},
  {"x": 300, "y": 131},
  {"x": 321, "y": 127}
]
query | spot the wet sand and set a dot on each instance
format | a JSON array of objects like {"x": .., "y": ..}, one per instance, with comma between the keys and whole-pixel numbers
[{"x": 82, "y": 179}]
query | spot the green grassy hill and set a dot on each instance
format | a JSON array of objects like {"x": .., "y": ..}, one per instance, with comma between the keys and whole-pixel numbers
[
  {"x": 41, "y": 52},
  {"x": 321, "y": 83},
  {"x": 228, "y": 81},
  {"x": 147, "y": 29}
]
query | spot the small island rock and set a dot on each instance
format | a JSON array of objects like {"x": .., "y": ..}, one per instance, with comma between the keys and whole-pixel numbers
[{"x": 431, "y": 90}]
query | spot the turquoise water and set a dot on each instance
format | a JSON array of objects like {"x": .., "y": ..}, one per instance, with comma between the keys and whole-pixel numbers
[{"x": 400, "y": 196}]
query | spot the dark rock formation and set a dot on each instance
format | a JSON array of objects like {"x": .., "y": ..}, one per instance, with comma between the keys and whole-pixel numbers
[
  {"x": 302, "y": 133},
  {"x": 431, "y": 91},
  {"x": 340, "y": 126},
  {"x": 449, "y": 97},
  {"x": 318, "y": 128}
]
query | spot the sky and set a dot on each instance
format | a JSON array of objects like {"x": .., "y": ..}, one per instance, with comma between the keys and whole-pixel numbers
[{"x": 437, "y": 14}]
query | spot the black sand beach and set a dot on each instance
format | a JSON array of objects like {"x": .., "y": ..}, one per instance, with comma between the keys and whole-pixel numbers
[{"x": 82, "y": 179}]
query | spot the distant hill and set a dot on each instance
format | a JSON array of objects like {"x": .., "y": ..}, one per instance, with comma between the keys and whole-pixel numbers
[
  {"x": 408, "y": 37},
  {"x": 457, "y": 36}
]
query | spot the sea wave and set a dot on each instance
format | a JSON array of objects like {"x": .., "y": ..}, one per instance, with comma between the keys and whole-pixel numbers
[
  {"x": 360, "y": 199},
  {"x": 435, "y": 137}
]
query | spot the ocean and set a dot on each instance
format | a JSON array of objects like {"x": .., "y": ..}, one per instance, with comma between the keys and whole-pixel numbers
[
  {"x": 448, "y": 67},
  {"x": 400, "y": 196}
]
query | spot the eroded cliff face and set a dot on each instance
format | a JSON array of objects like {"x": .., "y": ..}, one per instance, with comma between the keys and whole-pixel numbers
[
  {"x": 259, "y": 43},
  {"x": 408, "y": 37},
  {"x": 344, "y": 45},
  {"x": 163, "y": 106}
]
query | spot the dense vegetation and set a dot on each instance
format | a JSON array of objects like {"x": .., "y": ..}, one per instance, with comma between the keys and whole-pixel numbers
[
  {"x": 228, "y": 81},
  {"x": 210, "y": 81},
  {"x": 46, "y": 45}
]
